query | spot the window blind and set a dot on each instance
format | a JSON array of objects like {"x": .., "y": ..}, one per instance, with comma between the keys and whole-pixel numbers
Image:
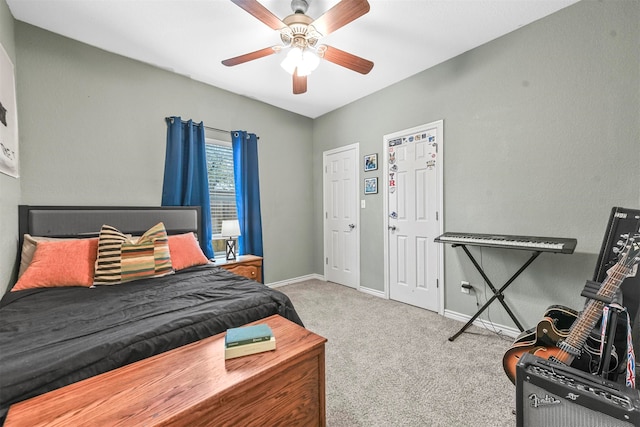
[{"x": 222, "y": 193}]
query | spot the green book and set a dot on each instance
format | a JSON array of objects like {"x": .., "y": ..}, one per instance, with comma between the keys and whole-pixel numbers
[
  {"x": 247, "y": 349},
  {"x": 247, "y": 335}
]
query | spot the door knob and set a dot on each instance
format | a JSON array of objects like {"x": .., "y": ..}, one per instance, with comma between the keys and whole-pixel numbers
[
  {"x": 392, "y": 227},
  {"x": 352, "y": 226}
]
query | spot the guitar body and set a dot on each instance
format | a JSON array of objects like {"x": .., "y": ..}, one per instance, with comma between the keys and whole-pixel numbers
[
  {"x": 542, "y": 339},
  {"x": 513, "y": 355}
]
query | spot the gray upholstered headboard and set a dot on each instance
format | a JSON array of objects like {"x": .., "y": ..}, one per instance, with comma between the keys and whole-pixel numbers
[{"x": 81, "y": 221}]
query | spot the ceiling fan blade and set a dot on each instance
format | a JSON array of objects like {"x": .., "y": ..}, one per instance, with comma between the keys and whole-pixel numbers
[
  {"x": 347, "y": 60},
  {"x": 251, "y": 56},
  {"x": 261, "y": 13},
  {"x": 299, "y": 83},
  {"x": 340, "y": 15}
]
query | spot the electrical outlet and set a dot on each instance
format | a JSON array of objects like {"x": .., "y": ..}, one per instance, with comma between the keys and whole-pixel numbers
[{"x": 465, "y": 287}]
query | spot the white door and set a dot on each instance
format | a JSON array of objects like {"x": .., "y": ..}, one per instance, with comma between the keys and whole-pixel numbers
[
  {"x": 341, "y": 216},
  {"x": 413, "y": 167}
]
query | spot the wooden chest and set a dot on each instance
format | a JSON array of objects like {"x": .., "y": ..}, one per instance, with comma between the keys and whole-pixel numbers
[{"x": 194, "y": 386}]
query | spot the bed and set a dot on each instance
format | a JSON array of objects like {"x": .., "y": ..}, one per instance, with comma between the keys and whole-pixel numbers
[{"x": 54, "y": 336}]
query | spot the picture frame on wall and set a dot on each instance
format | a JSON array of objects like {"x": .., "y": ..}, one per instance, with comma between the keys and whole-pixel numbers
[
  {"x": 371, "y": 162},
  {"x": 371, "y": 185},
  {"x": 8, "y": 117}
]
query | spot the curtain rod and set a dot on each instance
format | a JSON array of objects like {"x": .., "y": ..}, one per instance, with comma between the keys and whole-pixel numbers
[
  {"x": 206, "y": 127},
  {"x": 216, "y": 129},
  {"x": 210, "y": 128}
]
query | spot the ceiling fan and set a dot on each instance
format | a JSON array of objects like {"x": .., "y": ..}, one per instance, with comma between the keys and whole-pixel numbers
[{"x": 301, "y": 34}]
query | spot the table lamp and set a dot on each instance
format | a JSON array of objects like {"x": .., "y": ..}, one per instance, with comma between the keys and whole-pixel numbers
[{"x": 231, "y": 230}]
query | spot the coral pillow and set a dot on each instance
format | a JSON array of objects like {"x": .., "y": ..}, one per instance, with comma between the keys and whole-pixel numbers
[
  {"x": 185, "y": 251},
  {"x": 60, "y": 263},
  {"x": 29, "y": 248}
]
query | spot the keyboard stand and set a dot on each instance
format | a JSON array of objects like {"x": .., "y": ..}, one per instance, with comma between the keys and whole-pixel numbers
[{"x": 497, "y": 293}]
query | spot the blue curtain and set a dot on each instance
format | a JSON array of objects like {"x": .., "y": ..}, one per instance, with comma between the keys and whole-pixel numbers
[
  {"x": 245, "y": 174},
  {"x": 186, "y": 182}
]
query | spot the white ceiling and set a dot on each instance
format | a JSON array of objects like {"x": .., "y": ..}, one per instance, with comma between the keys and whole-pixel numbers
[{"x": 192, "y": 37}]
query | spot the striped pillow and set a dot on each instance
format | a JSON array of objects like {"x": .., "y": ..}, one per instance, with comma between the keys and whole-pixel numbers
[{"x": 121, "y": 260}]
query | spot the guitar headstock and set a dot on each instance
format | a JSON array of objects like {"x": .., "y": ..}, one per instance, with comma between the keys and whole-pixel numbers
[{"x": 631, "y": 251}]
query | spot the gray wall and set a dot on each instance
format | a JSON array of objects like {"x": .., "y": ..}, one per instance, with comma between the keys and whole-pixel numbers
[
  {"x": 541, "y": 133},
  {"x": 92, "y": 132},
  {"x": 9, "y": 187}
]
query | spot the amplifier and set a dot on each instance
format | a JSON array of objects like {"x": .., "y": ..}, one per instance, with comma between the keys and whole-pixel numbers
[{"x": 550, "y": 394}]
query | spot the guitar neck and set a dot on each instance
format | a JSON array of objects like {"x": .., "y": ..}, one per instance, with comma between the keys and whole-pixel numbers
[{"x": 583, "y": 326}]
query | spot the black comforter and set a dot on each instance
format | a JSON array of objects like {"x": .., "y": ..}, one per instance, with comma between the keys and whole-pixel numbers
[{"x": 53, "y": 337}]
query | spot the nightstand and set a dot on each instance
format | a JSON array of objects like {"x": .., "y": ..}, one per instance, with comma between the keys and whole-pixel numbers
[{"x": 249, "y": 266}]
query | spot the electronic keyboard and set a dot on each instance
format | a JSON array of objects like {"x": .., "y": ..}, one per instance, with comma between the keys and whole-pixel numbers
[{"x": 530, "y": 243}]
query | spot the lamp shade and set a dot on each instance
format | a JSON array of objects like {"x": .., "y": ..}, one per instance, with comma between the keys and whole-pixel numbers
[
  {"x": 230, "y": 228},
  {"x": 304, "y": 60}
]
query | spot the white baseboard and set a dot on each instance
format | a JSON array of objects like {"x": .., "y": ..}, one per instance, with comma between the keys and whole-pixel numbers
[
  {"x": 490, "y": 326},
  {"x": 373, "y": 292},
  {"x": 295, "y": 280},
  {"x": 291, "y": 281}
]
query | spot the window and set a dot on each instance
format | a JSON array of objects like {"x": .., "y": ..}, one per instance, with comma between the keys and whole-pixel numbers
[{"x": 222, "y": 193}]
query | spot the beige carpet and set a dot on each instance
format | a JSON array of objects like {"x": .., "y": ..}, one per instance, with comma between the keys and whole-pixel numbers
[{"x": 390, "y": 364}]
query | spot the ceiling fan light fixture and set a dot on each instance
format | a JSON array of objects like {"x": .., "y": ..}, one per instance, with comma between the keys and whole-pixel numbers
[
  {"x": 300, "y": 33},
  {"x": 305, "y": 60}
]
